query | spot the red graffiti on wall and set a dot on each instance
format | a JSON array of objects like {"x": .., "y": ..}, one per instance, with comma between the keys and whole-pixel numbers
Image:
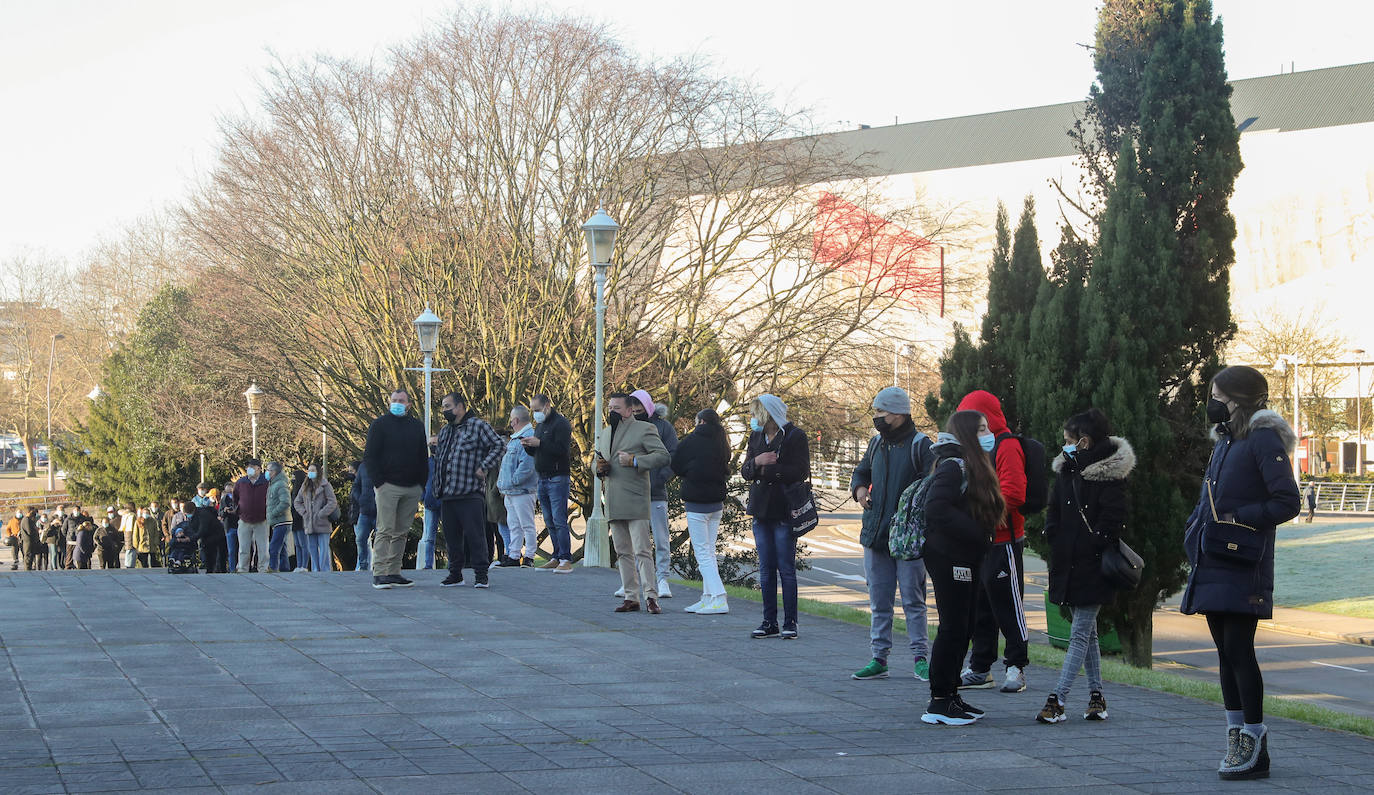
[{"x": 878, "y": 253}]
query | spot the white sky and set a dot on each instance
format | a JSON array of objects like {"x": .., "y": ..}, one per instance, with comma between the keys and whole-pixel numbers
[{"x": 108, "y": 108}]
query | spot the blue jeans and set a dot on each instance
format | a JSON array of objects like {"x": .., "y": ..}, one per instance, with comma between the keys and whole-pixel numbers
[
  {"x": 553, "y": 502},
  {"x": 424, "y": 556},
  {"x": 777, "y": 561},
  {"x": 231, "y": 539},
  {"x": 885, "y": 574},
  {"x": 317, "y": 547},
  {"x": 303, "y": 550},
  {"x": 362, "y": 531},
  {"x": 276, "y": 548}
]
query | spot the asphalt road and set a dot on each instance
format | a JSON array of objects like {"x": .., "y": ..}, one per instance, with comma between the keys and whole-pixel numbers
[{"x": 1329, "y": 673}]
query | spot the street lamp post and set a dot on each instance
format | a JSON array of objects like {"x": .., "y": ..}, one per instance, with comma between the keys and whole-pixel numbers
[
  {"x": 52, "y": 353},
  {"x": 427, "y": 330},
  {"x": 600, "y": 230},
  {"x": 1359, "y": 412},
  {"x": 254, "y": 397},
  {"x": 1286, "y": 359}
]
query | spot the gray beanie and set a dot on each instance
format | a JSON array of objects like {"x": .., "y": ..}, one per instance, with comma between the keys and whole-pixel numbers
[{"x": 893, "y": 400}]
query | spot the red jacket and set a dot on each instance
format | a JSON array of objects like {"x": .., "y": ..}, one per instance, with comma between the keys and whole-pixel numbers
[{"x": 1010, "y": 461}]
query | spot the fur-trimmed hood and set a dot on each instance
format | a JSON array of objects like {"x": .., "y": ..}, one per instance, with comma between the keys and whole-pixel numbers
[
  {"x": 1268, "y": 418},
  {"x": 1114, "y": 467}
]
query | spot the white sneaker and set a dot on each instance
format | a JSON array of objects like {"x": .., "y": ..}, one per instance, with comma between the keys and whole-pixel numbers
[
  {"x": 698, "y": 604},
  {"x": 299, "y": 569},
  {"x": 1015, "y": 681},
  {"x": 714, "y": 605},
  {"x": 620, "y": 593},
  {"x": 664, "y": 592}
]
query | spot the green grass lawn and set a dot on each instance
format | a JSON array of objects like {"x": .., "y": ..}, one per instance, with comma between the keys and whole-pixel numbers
[
  {"x": 1324, "y": 566},
  {"x": 1112, "y": 670}
]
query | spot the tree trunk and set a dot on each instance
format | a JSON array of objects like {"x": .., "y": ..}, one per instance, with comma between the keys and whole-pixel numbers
[
  {"x": 1136, "y": 629},
  {"x": 31, "y": 461}
]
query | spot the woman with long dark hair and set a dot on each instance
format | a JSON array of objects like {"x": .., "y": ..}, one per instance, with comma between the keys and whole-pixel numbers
[
  {"x": 1248, "y": 491},
  {"x": 702, "y": 460},
  {"x": 963, "y": 506}
]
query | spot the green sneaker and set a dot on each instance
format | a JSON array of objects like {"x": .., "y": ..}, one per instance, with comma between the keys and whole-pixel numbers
[
  {"x": 922, "y": 669},
  {"x": 876, "y": 669}
]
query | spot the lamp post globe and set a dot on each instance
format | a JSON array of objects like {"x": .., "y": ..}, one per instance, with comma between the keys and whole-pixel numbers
[
  {"x": 254, "y": 397},
  {"x": 427, "y": 330},
  {"x": 600, "y": 231}
]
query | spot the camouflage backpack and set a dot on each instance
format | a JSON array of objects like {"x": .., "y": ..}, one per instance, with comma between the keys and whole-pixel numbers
[{"x": 907, "y": 534}]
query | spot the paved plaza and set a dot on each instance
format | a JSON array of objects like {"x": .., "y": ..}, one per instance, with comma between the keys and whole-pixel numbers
[{"x": 127, "y": 680}]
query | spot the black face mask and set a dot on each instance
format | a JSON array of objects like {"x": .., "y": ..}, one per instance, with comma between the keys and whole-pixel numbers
[
  {"x": 1217, "y": 412},
  {"x": 880, "y": 424},
  {"x": 641, "y": 416},
  {"x": 613, "y": 419},
  {"x": 449, "y": 416}
]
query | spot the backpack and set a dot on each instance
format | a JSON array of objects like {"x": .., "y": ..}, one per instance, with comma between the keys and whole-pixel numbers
[
  {"x": 907, "y": 534},
  {"x": 920, "y": 453},
  {"x": 1037, "y": 473}
]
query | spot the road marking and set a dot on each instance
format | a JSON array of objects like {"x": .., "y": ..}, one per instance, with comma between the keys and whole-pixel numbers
[
  {"x": 1342, "y": 667},
  {"x": 841, "y": 575},
  {"x": 830, "y": 546}
]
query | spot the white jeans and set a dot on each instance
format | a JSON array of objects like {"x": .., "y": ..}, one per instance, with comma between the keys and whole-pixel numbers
[
  {"x": 520, "y": 519},
  {"x": 663, "y": 553},
  {"x": 703, "y": 529}
]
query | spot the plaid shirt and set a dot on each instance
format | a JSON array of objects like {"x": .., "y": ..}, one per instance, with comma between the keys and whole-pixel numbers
[{"x": 465, "y": 447}]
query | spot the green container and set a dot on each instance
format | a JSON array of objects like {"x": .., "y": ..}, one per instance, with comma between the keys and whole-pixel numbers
[{"x": 1058, "y": 627}]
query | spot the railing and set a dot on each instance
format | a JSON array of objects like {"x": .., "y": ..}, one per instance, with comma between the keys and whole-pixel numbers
[
  {"x": 44, "y": 502},
  {"x": 1342, "y": 497}
]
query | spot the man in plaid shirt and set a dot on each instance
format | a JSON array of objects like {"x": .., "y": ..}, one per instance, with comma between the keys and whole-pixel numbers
[{"x": 467, "y": 449}]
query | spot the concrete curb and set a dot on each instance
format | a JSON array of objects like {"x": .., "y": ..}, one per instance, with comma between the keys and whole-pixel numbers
[{"x": 1342, "y": 637}]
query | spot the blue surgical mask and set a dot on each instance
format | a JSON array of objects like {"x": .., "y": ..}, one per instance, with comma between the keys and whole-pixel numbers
[
  {"x": 252, "y": 472},
  {"x": 312, "y": 475},
  {"x": 987, "y": 442},
  {"x": 755, "y": 425},
  {"x": 539, "y": 417},
  {"x": 1070, "y": 449},
  {"x": 399, "y": 409}
]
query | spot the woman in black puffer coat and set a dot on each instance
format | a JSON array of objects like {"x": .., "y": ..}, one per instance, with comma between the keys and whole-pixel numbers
[
  {"x": 1249, "y": 481},
  {"x": 1087, "y": 512},
  {"x": 702, "y": 460}
]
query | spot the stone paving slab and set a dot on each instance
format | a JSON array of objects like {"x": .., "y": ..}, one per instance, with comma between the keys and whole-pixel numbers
[{"x": 140, "y": 680}]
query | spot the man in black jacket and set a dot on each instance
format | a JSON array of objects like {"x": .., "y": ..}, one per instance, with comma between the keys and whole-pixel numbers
[
  {"x": 551, "y": 446},
  {"x": 397, "y": 458}
]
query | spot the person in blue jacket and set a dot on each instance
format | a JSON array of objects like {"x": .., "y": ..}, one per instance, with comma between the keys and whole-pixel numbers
[
  {"x": 365, "y": 521},
  {"x": 424, "y": 553},
  {"x": 1249, "y": 481}
]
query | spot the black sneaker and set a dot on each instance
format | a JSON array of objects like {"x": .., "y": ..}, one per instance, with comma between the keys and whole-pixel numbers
[
  {"x": 976, "y": 712},
  {"x": 527, "y": 563},
  {"x": 1097, "y": 707},
  {"x": 1052, "y": 712},
  {"x": 789, "y": 631},
  {"x": 381, "y": 583},
  {"x": 947, "y": 711},
  {"x": 481, "y": 583},
  {"x": 397, "y": 581},
  {"x": 765, "y": 630},
  {"x": 452, "y": 581}
]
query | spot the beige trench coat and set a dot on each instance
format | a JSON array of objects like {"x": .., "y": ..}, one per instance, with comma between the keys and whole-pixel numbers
[{"x": 626, "y": 488}]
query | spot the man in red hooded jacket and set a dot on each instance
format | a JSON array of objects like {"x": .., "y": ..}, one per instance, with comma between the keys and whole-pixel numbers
[{"x": 999, "y": 602}]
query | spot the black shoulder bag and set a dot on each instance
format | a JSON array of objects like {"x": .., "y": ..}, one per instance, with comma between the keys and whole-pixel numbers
[
  {"x": 801, "y": 504},
  {"x": 1122, "y": 567}
]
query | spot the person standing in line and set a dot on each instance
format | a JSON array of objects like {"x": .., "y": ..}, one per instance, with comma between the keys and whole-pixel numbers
[
  {"x": 52, "y": 536},
  {"x": 897, "y": 457},
  {"x": 999, "y": 604},
  {"x": 1249, "y": 481},
  {"x": 109, "y": 539},
  {"x": 519, "y": 487},
  {"x": 498, "y": 532},
  {"x": 155, "y": 537},
  {"x": 551, "y": 446},
  {"x": 250, "y": 495},
  {"x": 646, "y": 411},
  {"x": 424, "y": 553},
  {"x": 466, "y": 449},
  {"x": 31, "y": 540},
  {"x": 963, "y": 506},
  {"x": 778, "y": 455},
  {"x": 299, "y": 546},
  {"x": 1087, "y": 512},
  {"x": 174, "y": 517},
  {"x": 85, "y": 542},
  {"x": 1310, "y": 497},
  {"x": 702, "y": 460},
  {"x": 396, "y": 456},
  {"x": 205, "y": 527},
  {"x": 364, "y": 499},
  {"x": 315, "y": 502},
  {"x": 12, "y": 537},
  {"x": 229, "y": 517},
  {"x": 128, "y": 516},
  {"x": 70, "y": 523},
  {"x": 624, "y": 460},
  {"x": 278, "y": 518}
]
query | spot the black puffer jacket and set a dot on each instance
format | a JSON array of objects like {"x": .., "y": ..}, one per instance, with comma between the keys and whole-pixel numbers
[
  {"x": 950, "y": 531},
  {"x": 1095, "y": 480},
  {"x": 702, "y": 460}
]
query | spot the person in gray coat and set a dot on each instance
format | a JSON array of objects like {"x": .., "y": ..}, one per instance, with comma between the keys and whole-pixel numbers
[
  {"x": 897, "y": 457},
  {"x": 656, "y": 415}
]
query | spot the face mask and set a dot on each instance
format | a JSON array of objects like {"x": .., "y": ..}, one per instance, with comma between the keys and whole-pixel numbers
[
  {"x": 539, "y": 417},
  {"x": 639, "y": 415},
  {"x": 987, "y": 442},
  {"x": 449, "y": 416},
  {"x": 252, "y": 473},
  {"x": 1070, "y": 449},
  {"x": 312, "y": 475},
  {"x": 755, "y": 425},
  {"x": 1217, "y": 412},
  {"x": 613, "y": 419},
  {"x": 398, "y": 409},
  {"x": 879, "y": 424}
]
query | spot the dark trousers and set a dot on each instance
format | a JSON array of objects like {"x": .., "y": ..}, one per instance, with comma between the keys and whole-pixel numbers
[
  {"x": 214, "y": 554},
  {"x": 956, "y": 589},
  {"x": 109, "y": 557},
  {"x": 144, "y": 559},
  {"x": 1242, "y": 684},
  {"x": 777, "y": 550},
  {"x": 999, "y": 607},
  {"x": 465, "y": 534},
  {"x": 494, "y": 542}
]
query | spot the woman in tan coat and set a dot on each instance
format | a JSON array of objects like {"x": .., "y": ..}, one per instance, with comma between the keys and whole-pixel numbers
[{"x": 316, "y": 503}]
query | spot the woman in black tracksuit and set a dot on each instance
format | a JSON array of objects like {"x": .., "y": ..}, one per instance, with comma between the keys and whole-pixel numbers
[{"x": 963, "y": 505}]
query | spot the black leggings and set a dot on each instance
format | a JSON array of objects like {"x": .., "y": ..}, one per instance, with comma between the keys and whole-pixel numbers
[
  {"x": 1242, "y": 684},
  {"x": 956, "y": 587}
]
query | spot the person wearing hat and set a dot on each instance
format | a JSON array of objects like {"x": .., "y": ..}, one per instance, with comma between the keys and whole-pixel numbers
[
  {"x": 897, "y": 456},
  {"x": 656, "y": 415}
]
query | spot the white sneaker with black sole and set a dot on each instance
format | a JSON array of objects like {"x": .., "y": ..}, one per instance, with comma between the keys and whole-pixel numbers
[
  {"x": 947, "y": 711},
  {"x": 1015, "y": 681}
]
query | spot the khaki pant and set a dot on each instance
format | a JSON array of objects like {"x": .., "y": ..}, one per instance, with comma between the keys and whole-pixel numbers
[
  {"x": 251, "y": 533},
  {"x": 634, "y": 549},
  {"x": 396, "y": 508}
]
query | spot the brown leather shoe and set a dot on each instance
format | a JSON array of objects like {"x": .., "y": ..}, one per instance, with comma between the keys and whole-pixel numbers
[
  {"x": 630, "y": 606},
  {"x": 653, "y": 607}
]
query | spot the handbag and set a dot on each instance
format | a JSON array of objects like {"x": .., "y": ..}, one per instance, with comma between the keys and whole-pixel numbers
[
  {"x": 1230, "y": 541},
  {"x": 1122, "y": 567},
  {"x": 802, "y": 517}
]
